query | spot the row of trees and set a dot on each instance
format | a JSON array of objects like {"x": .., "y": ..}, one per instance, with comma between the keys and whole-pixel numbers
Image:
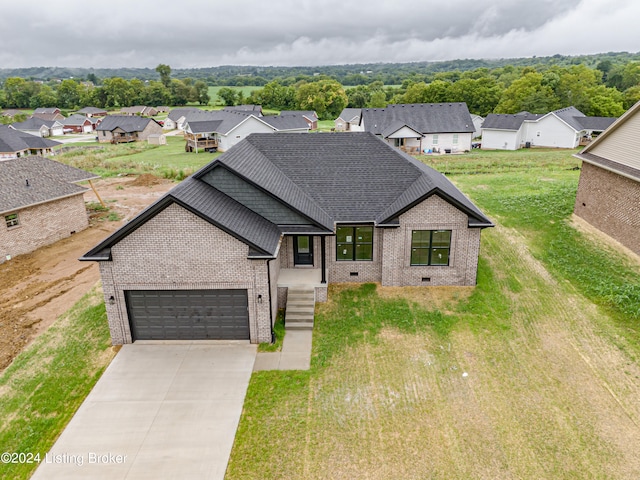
[
  {"x": 607, "y": 90},
  {"x": 114, "y": 92}
]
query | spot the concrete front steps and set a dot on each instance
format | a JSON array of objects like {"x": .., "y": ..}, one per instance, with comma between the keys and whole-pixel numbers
[{"x": 300, "y": 307}]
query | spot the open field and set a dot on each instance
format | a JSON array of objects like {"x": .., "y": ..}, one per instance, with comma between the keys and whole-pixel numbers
[{"x": 533, "y": 374}]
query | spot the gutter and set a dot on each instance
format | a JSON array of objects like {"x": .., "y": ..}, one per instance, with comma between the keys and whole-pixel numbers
[{"x": 273, "y": 333}]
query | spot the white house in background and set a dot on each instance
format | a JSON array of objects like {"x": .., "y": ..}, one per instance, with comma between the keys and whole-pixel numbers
[
  {"x": 39, "y": 127},
  {"x": 564, "y": 128},
  {"x": 422, "y": 127},
  {"x": 222, "y": 129},
  {"x": 177, "y": 117},
  {"x": 477, "y": 125}
]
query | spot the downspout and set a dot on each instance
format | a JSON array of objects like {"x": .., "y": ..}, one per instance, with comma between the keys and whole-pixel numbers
[
  {"x": 273, "y": 333},
  {"x": 323, "y": 260}
]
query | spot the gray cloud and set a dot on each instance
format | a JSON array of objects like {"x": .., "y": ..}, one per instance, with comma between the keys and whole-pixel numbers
[{"x": 199, "y": 33}]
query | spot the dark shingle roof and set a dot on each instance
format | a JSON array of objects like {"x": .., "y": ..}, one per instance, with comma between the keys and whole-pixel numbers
[
  {"x": 92, "y": 110},
  {"x": 286, "y": 122},
  {"x": 128, "y": 123},
  {"x": 395, "y": 126},
  {"x": 33, "y": 123},
  {"x": 75, "y": 119},
  {"x": 46, "y": 110},
  {"x": 262, "y": 236},
  {"x": 502, "y": 121},
  {"x": 48, "y": 180},
  {"x": 227, "y": 120},
  {"x": 310, "y": 114},
  {"x": 12, "y": 141},
  {"x": 350, "y": 114},
  {"x": 597, "y": 124},
  {"x": 329, "y": 178},
  {"x": 178, "y": 113},
  {"x": 244, "y": 108},
  {"x": 349, "y": 177},
  {"x": 425, "y": 117}
]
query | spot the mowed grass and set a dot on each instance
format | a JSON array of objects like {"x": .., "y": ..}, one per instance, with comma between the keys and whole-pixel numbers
[
  {"x": 41, "y": 390},
  {"x": 534, "y": 373}
]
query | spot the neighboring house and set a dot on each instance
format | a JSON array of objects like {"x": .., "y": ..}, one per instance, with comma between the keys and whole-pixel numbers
[
  {"x": 177, "y": 118},
  {"x": 254, "y": 109},
  {"x": 139, "y": 110},
  {"x": 40, "y": 203},
  {"x": 52, "y": 110},
  {"x": 14, "y": 144},
  {"x": 608, "y": 194},
  {"x": 11, "y": 113},
  {"x": 422, "y": 127},
  {"x": 49, "y": 116},
  {"x": 126, "y": 128},
  {"x": 77, "y": 123},
  {"x": 477, "y": 125},
  {"x": 310, "y": 116},
  {"x": 92, "y": 112},
  {"x": 349, "y": 120},
  {"x": 222, "y": 129},
  {"x": 226, "y": 244},
  {"x": 163, "y": 109},
  {"x": 564, "y": 128},
  {"x": 39, "y": 127}
]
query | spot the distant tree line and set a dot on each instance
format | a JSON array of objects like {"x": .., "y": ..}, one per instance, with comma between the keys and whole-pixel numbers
[
  {"x": 111, "y": 92},
  {"x": 606, "y": 88}
]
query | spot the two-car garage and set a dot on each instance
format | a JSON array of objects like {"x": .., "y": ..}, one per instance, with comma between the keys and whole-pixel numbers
[{"x": 220, "y": 314}]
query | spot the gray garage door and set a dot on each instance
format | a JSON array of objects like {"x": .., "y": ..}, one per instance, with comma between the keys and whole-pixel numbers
[{"x": 188, "y": 314}]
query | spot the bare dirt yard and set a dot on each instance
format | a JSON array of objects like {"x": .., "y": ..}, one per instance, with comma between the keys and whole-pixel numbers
[{"x": 38, "y": 287}]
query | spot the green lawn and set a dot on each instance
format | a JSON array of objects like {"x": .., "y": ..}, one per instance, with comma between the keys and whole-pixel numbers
[
  {"x": 169, "y": 161},
  {"x": 41, "y": 390},
  {"x": 534, "y": 373}
]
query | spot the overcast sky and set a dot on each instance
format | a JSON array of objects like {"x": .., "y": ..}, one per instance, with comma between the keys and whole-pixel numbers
[{"x": 205, "y": 33}]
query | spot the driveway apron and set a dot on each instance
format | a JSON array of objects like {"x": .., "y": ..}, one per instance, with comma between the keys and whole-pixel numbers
[{"x": 159, "y": 411}]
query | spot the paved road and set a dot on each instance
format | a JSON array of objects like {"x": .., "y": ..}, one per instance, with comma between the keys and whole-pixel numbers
[{"x": 158, "y": 412}]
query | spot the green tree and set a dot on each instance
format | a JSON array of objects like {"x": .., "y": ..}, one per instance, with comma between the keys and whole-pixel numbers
[
  {"x": 326, "y": 97},
  {"x": 481, "y": 94},
  {"x": 527, "y": 94},
  {"x": 200, "y": 93},
  {"x": 157, "y": 94},
  {"x": 604, "y": 102},
  {"x": 631, "y": 96},
  {"x": 17, "y": 92},
  {"x": 179, "y": 92},
  {"x": 165, "y": 74},
  {"x": 228, "y": 96},
  {"x": 45, "y": 97},
  {"x": 68, "y": 94}
]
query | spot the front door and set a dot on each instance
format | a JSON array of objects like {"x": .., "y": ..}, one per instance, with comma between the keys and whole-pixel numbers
[{"x": 303, "y": 250}]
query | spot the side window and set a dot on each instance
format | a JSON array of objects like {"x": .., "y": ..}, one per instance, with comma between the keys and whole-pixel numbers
[{"x": 430, "y": 247}]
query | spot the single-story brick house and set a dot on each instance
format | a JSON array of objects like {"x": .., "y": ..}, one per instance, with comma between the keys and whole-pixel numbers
[
  {"x": 77, "y": 123},
  {"x": 40, "y": 203},
  {"x": 225, "y": 245},
  {"x": 126, "y": 128},
  {"x": 310, "y": 116},
  {"x": 93, "y": 112},
  {"x": 608, "y": 194}
]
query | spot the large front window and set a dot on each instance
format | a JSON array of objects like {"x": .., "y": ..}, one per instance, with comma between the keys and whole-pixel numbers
[
  {"x": 430, "y": 247},
  {"x": 354, "y": 243}
]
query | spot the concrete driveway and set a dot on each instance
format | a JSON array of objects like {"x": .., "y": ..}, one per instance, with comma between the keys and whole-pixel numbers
[{"x": 159, "y": 411}]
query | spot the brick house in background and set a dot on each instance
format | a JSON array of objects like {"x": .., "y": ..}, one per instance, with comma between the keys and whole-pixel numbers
[
  {"x": 225, "y": 245},
  {"x": 40, "y": 203},
  {"x": 126, "y": 128},
  {"x": 608, "y": 194}
]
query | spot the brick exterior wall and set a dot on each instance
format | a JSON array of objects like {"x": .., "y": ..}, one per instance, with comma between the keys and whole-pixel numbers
[
  {"x": 42, "y": 225},
  {"x": 177, "y": 250},
  {"x": 367, "y": 270},
  {"x": 611, "y": 203},
  {"x": 432, "y": 214}
]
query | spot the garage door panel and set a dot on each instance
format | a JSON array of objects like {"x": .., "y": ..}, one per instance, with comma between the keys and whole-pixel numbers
[{"x": 188, "y": 314}]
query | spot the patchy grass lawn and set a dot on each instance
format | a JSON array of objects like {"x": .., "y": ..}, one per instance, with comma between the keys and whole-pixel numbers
[
  {"x": 168, "y": 161},
  {"x": 532, "y": 374},
  {"x": 44, "y": 386}
]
